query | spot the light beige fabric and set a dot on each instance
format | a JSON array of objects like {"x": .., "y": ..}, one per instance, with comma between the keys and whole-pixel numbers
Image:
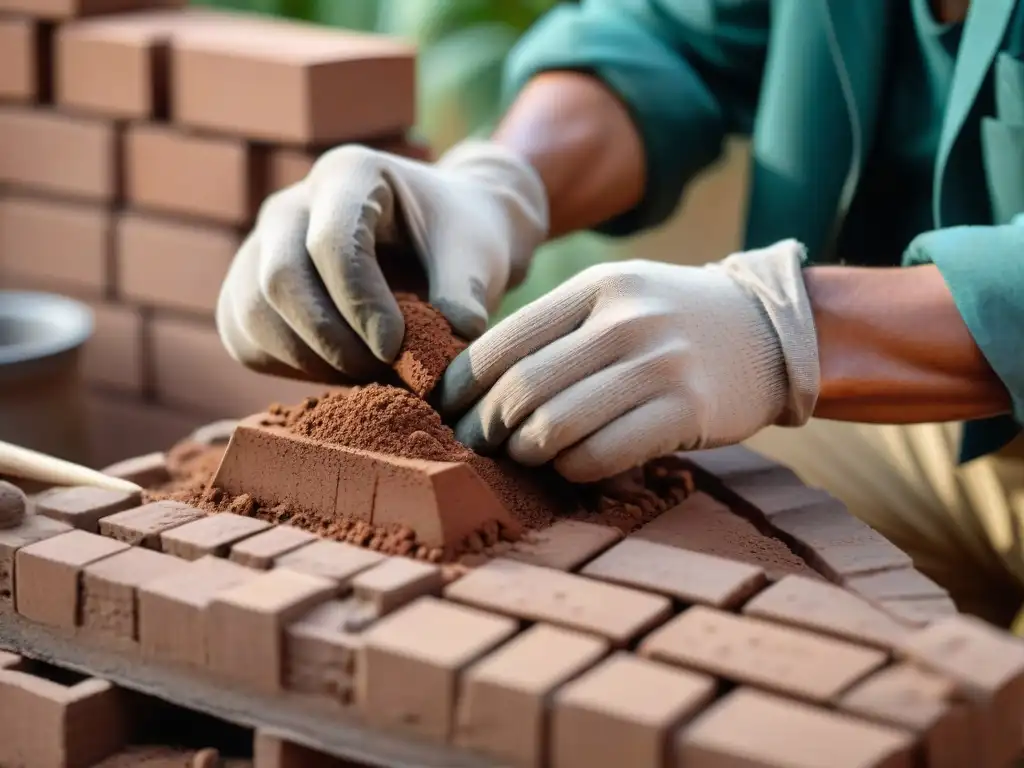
[{"x": 961, "y": 524}]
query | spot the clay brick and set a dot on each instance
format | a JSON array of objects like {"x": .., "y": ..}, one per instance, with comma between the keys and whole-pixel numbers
[
  {"x": 690, "y": 577},
  {"x": 503, "y": 700},
  {"x": 758, "y": 653},
  {"x": 839, "y": 544},
  {"x": 408, "y": 666},
  {"x": 211, "y": 535},
  {"x": 194, "y": 372},
  {"x": 334, "y": 560},
  {"x": 899, "y": 584},
  {"x": 245, "y": 624},
  {"x": 142, "y": 526},
  {"x": 306, "y": 79},
  {"x": 113, "y": 356},
  {"x": 179, "y": 265},
  {"x": 54, "y": 243},
  {"x": 48, "y": 575},
  {"x": 49, "y": 725},
  {"x": 564, "y": 546},
  {"x": 32, "y": 529},
  {"x": 320, "y": 651},
  {"x": 533, "y": 593},
  {"x": 205, "y": 177},
  {"x": 263, "y": 549},
  {"x": 172, "y": 609},
  {"x": 702, "y": 524},
  {"x": 920, "y": 611},
  {"x": 59, "y": 154},
  {"x": 749, "y": 728},
  {"x": 121, "y": 427},
  {"x": 272, "y": 752},
  {"x": 768, "y": 496},
  {"x": 734, "y": 462},
  {"x": 441, "y": 502},
  {"x": 147, "y": 470},
  {"x": 62, "y": 10},
  {"x": 622, "y": 712},
  {"x": 110, "y": 591},
  {"x": 83, "y": 506},
  {"x": 24, "y": 66},
  {"x": 395, "y": 582},
  {"x": 987, "y": 666},
  {"x": 922, "y": 703},
  {"x": 826, "y": 608}
]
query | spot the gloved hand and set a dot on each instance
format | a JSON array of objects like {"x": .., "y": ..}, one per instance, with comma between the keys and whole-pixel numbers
[
  {"x": 632, "y": 360},
  {"x": 305, "y": 296}
]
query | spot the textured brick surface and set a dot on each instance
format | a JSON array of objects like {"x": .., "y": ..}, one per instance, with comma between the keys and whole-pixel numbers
[{"x": 143, "y": 525}]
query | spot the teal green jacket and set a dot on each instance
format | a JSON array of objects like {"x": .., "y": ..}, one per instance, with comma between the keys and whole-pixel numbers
[{"x": 805, "y": 79}]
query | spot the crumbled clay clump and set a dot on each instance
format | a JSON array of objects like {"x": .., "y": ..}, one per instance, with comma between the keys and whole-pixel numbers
[
  {"x": 12, "y": 505},
  {"x": 429, "y": 345}
]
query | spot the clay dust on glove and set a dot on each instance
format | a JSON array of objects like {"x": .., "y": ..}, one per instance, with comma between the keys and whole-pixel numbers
[
  {"x": 306, "y": 297},
  {"x": 631, "y": 360}
]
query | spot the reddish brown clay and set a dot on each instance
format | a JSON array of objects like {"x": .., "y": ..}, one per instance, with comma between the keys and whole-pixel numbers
[{"x": 428, "y": 348}]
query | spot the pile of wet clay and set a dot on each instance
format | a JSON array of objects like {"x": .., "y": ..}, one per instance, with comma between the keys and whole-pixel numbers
[{"x": 398, "y": 422}]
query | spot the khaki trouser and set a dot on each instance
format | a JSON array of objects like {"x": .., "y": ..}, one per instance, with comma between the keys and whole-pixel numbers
[{"x": 962, "y": 525}]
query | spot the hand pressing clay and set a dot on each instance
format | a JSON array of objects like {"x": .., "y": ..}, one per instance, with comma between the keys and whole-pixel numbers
[{"x": 12, "y": 505}]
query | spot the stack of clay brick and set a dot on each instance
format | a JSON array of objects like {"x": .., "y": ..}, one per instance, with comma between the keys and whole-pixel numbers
[
  {"x": 137, "y": 140},
  {"x": 580, "y": 648}
]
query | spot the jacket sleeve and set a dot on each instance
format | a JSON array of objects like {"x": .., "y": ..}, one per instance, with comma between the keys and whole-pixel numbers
[
  {"x": 984, "y": 269},
  {"x": 688, "y": 72}
]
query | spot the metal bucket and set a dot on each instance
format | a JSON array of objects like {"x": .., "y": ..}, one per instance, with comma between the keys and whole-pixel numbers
[{"x": 42, "y": 403}]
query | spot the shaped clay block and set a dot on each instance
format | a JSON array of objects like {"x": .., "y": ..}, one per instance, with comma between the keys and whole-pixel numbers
[
  {"x": 22, "y": 50},
  {"x": 142, "y": 526},
  {"x": 395, "y": 582},
  {"x": 320, "y": 651},
  {"x": 442, "y": 502},
  {"x": 735, "y": 462},
  {"x": 172, "y": 609},
  {"x": 270, "y": 751},
  {"x": 48, "y": 575},
  {"x": 922, "y": 703},
  {"x": 211, "y": 535},
  {"x": 690, "y": 577},
  {"x": 898, "y": 584},
  {"x": 82, "y": 507},
  {"x": 110, "y": 592},
  {"x": 206, "y": 177},
  {"x": 302, "y": 76},
  {"x": 245, "y": 624},
  {"x": 748, "y": 728},
  {"x": 532, "y": 593},
  {"x": 565, "y": 545},
  {"x": 755, "y": 652},
  {"x": 921, "y": 611},
  {"x": 49, "y": 725},
  {"x": 263, "y": 549},
  {"x": 828, "y": 609},
  {"x": 32, "y": 529},
  {"x": 145, "y": 471},
  {"x": 503, "y": 701},
  {"x": 623, "y": 712},
  {"x": 59, "y": 154},
  {"x": 334, "y": 560},
  {"x": 987, "y": 666},
  {"x": 408, "y": 667}
]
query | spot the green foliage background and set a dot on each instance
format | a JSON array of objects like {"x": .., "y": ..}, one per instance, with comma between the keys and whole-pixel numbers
[{"x": 462, "y": 47}]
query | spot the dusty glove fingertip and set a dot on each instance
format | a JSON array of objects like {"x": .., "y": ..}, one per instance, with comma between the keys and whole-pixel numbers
[
  {"x": 457, "y": 385},
  {"x": 467, "y": 320}
]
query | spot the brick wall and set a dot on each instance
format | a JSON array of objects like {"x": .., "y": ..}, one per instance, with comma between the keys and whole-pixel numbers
[{"x": 134, "y": 151}]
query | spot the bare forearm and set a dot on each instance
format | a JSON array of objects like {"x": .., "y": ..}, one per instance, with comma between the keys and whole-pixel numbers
[
  {"x": 894, "y": 349},
  {"x": 582, "y": 142}
]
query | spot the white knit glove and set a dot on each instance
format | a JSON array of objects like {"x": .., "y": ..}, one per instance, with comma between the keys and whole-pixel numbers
[
  {"x": 632, "y": 360},
  {"x": 305, "y": 295}
]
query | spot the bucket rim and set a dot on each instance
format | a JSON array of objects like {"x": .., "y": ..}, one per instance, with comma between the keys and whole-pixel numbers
[{"x": 71, "y": 322}]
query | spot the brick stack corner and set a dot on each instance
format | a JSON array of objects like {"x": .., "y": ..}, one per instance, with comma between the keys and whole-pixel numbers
[{"x": 137, "y": 141}]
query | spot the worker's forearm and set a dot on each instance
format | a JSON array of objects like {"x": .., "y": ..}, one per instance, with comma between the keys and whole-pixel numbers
[
  {"x": 581, "y": 140},
  {"x": 894, "y": 349}
]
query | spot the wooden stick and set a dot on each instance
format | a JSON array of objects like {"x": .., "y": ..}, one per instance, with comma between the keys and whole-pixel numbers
[{"x": 27, "y": 464}]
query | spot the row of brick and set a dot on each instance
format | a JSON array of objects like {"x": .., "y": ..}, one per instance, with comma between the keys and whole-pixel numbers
[
  {"x": 238, "y": 75},
  {"x": 348, "y": 626}
]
